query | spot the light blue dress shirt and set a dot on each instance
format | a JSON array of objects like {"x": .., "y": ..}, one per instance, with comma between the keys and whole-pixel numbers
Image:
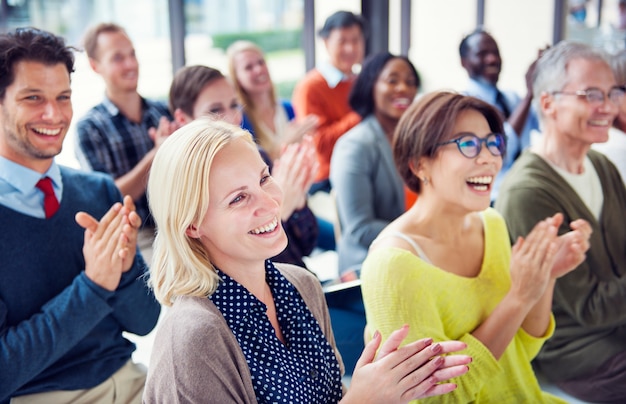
[{"x": 18, "y": 191}]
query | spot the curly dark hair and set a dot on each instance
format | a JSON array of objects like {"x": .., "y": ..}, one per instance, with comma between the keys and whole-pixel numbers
[{"x": 31, "y": 44}]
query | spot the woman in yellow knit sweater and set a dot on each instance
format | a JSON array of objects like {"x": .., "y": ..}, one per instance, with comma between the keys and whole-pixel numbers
[{"x": 446, "y": 266}]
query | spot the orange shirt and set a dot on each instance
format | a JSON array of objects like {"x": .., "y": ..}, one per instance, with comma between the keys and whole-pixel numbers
[{"x": 312, "y": 95}]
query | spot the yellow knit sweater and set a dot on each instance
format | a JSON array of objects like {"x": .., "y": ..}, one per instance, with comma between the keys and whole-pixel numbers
[{"x": 400, "y": 288}]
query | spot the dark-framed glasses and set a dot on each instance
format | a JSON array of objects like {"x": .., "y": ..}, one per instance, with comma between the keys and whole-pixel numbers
[
  {"x": 470, "y": 145},
  {"x": 596, "y": 96}
]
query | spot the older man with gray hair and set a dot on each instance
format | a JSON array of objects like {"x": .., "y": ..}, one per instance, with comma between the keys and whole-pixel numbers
[{"x": 577, "y": 98}]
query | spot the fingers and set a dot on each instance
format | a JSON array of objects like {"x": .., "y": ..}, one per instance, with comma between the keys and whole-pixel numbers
[
  {"x": 394, "y": 341},
  {"x": 86, "y": 221},
  {"x": 420, "y": 382},
  {"x": 369, "y": 352},
  {"x": 452, "y": 346}
]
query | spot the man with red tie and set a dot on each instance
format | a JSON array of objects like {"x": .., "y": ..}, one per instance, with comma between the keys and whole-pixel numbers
[{"x": 70, "y": 277}]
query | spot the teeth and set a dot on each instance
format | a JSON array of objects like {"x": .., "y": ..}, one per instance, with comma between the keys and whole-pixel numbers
[
  {"x": 402, "y": 101},
  {"x": 266, "y": 228},
  {"x": 599, "y": 122},
  {"x": 47, "y": 132},
  {"x": 481, "y": 180}
]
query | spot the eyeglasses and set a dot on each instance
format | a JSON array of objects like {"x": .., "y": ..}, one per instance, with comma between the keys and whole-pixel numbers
[
  {"x": 470, "y": 145},
  {"x": 596, "y": 96}
]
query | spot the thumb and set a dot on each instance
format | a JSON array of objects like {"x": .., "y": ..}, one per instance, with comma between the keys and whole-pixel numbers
[{"x": 369, "y": 352}]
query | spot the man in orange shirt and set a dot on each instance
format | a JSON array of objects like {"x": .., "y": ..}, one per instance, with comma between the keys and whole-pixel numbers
[{"x": 324, "y": 90}]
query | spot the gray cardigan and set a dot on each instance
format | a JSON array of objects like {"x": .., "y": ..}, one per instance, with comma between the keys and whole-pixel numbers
[
  {"x": 368, "y": 189},
  {"x": 196, "y": 358}
]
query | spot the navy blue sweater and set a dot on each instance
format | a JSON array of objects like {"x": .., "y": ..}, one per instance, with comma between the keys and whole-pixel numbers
[{"x": 58, "y": 329}]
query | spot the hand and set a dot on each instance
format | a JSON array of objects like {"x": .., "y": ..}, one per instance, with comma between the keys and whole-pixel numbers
[
  {"x": 571, "y": 248},
  {"x": 105, "y": 246},
  {"x": 165, "y": 128},
  {"x": 296, "y": 129},
  {"x": 532, "y": 260},
  {"x": 132, "y": 223},
  {"x": 407, "y": 373},
  {"x": 293, "y": 173}
]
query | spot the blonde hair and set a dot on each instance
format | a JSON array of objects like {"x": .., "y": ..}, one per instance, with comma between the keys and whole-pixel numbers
[
  {"x": 263, "y": 138},
  {"x": 178, "y": 195}
]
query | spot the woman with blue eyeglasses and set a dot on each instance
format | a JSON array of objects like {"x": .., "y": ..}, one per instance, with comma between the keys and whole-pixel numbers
[{"x": 446, "y": 266}]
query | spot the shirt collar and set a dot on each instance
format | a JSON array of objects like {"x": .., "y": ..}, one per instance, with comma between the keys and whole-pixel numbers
[
  {"x": 331, "y": 74},
  {"x": 481, "y": 87},
  {"x": 113, "y": 110},
  {"x": 24, "y": 179}
]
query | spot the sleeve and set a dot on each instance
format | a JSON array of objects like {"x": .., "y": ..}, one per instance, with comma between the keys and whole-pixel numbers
[
  {"x": 589, "y": 295},
  {"x": 194, "y": 360},
  {"x": 309, "y": 100},
  {"x": 134, "y": 304},
  {"x": 92, "y": 148},
  {"x": 396, "y": 292},
  {"x": 351, "y": 176},
  {"x": 288, "y": 109},
  {"x": 39, "y": 341}
]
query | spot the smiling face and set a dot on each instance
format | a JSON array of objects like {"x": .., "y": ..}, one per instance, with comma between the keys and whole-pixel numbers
[
  {"x": 457, "y": 180},
  {"x": 251, "y": 72},
  {"x": 345, "y": 47},
  {"x": 242, "y": 223},
  {"x": 574, "y": 120},
  {"x": 35, "y": 114},
  {"x": 394, "y": 90},
  {"x": 116, "y": 62},
  {"x": 483, "y": 61}
]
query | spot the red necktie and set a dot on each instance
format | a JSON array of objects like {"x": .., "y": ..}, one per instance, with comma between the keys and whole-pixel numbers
[{"x": 50, "y": 202}]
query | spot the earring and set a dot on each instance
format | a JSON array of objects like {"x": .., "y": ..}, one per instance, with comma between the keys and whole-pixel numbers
[{"x": 425, "y": 181}]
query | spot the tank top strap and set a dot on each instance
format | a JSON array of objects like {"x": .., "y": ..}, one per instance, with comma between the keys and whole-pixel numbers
[{"x": 418, "y": 250}]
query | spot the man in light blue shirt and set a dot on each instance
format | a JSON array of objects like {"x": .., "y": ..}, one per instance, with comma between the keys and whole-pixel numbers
[
  {"x": 70, "y": 280},
  {"x": 480, "y": 56}
]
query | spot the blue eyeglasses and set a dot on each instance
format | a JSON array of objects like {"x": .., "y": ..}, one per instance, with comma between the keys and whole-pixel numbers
[{"x": 470, "y": 145}]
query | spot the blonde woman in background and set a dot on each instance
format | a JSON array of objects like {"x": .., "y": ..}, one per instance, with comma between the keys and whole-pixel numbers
[{"x": 269, "y": 119}]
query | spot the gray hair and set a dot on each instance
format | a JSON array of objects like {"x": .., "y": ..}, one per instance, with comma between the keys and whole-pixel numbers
[
  {"x": 551, "y": 70},
  {"x": 618, "y": 65}
]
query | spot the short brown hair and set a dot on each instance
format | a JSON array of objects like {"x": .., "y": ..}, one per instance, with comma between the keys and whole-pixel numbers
[
  {"x": 188, "y": 83},
  {"x": 90, "y": 41},
  {"x": 429, "y": 122}
]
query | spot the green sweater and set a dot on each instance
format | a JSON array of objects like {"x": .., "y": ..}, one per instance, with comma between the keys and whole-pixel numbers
[{"x": 590, "y": 302}]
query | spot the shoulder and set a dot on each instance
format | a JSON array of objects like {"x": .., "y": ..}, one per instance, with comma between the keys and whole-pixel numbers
[
  {"x": 158, "y": 106},
  {"x": 94, "y": 117},
  {"x": 313, "y": 79},
  {"x": 363, "y": 135},
  {"x": 494, "y": 223},
  {"x": 528, "y": 172},
  {"x": 94, "y": 185},
  {"x": 93, "y": 180},
  {"x": 301, "y": 278}
]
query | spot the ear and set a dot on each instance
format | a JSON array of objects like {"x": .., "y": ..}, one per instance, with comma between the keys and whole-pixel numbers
[
  {"x": 547, "y": 104},
  {"x": 93, "y": 63},
  {"x": 464, "y": 63},
  {"x": 181, "y": 118},
  {"x": 419, "y": 168},
  {"x": 192, "y": 231}
]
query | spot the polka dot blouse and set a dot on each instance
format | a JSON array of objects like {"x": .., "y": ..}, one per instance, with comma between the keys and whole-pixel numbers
[{"x": 305, "y": 369}]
